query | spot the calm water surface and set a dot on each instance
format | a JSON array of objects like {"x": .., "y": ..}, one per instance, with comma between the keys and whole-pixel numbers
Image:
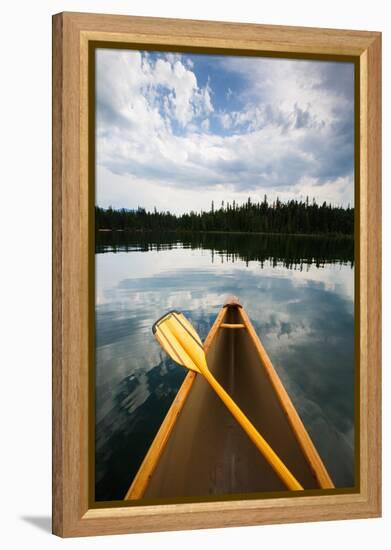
[{"x": 298, "y": 292}]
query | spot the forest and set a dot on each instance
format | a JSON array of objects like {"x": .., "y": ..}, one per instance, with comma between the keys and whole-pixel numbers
[{"x": 290, "y": 217}]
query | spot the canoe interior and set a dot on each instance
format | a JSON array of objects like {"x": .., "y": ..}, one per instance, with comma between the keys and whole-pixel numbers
[{"x": 207, "y": 452}]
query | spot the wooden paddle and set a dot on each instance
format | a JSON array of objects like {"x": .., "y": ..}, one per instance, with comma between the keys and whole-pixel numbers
[{"x": 180, "y": 341}]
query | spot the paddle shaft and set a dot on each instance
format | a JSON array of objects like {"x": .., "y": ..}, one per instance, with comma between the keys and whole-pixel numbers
[{"x": 263, "y": 446}]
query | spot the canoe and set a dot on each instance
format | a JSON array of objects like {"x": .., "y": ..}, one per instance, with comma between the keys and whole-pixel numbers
[{"x": 200, "y": 450}]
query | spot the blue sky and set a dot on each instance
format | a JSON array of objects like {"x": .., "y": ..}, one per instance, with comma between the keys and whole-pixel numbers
[{"x": 177, "y": 131}]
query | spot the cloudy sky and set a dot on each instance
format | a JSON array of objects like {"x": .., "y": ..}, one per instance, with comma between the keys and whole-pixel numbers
[{"x": 177, "y": 131}]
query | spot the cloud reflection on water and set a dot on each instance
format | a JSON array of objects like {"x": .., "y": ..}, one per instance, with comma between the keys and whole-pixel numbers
[{"x": 304, "y": 318}]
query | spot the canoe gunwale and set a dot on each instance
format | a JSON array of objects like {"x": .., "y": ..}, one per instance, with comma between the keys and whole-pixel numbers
[
  {"x": 303, "y": 438},
  {"x": 151, "y": 460}
]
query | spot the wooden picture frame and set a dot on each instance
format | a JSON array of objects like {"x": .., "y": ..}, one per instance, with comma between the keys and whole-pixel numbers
[{"x": 73, "y": 513}]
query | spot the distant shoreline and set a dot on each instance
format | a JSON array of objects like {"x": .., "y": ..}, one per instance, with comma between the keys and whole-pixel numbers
[{"x": 310, "y": 235}]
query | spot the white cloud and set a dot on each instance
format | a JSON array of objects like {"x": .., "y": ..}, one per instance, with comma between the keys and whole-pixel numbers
[
  {"x": 205, "y": 124},
  {"x": 320, "y": 86},
  {"x": 129, "y": 85},
  {"x": 156, "y": 128}
]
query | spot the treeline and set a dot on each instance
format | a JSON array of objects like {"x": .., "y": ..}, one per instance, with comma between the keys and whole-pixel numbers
[{"x": 291, "y": 217}]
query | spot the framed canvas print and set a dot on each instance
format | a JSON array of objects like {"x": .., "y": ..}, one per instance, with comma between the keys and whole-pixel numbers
[{"x": 216, "y": 274}]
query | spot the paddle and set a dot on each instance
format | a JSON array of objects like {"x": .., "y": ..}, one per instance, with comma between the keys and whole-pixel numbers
[{"x": 181, "y": 342}]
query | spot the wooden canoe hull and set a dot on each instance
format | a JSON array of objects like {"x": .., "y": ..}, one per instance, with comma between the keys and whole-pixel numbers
[{"x": 201, "y": 450}]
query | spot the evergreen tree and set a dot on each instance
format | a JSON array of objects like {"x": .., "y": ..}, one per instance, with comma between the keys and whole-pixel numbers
[{"x": 291, "y": 217}]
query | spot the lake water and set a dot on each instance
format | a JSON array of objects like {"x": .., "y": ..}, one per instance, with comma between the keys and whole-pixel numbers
[{"x": 299, "y": 294}]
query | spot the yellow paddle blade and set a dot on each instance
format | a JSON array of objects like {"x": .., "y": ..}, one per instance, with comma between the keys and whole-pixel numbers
[
  {"x": 188, "y": 326},
  {"x": 180, "y": 341}
]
